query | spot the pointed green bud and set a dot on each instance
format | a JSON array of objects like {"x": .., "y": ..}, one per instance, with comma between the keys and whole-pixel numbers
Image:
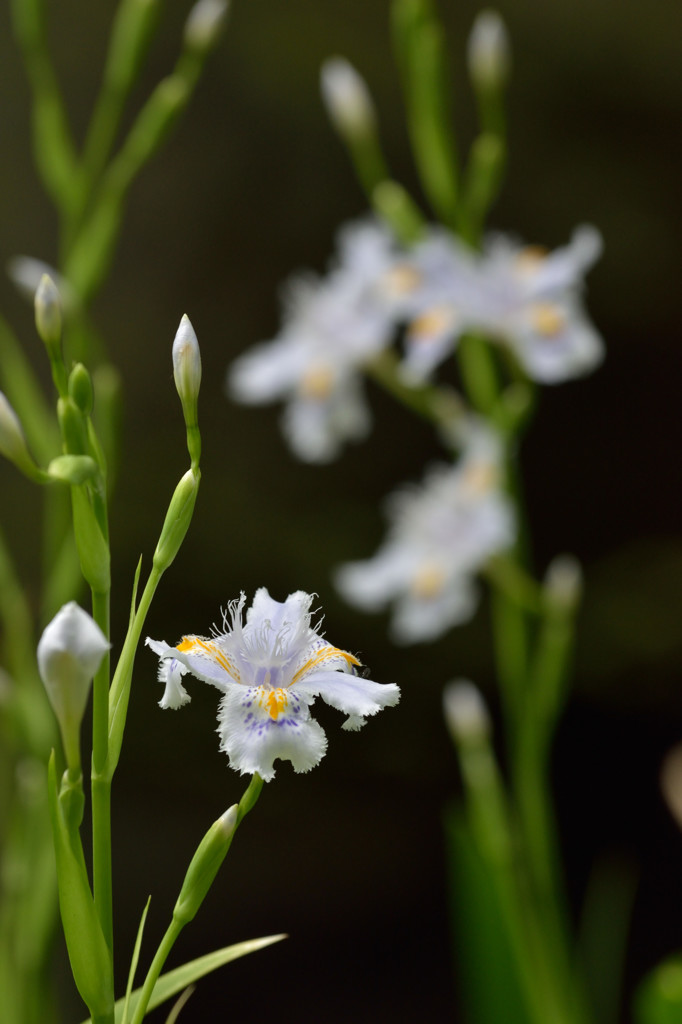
[
  {"x": 204, "y": 866},
  {"x": 72, "y": 469},
  {"x": 93, "y": 549},
  {"x": 69, "y": 653},
  {"x": 48, "y": 311},
  {"x": 177, "y": 520},
  {"x": 205, "y": 24},
  {"x": 73, "y": 426},
  {"x": 80, "y": 388},
  {"x": 13, "y": 443}
]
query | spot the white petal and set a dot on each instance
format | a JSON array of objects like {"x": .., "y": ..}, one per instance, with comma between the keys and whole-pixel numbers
[
  {"x": 253, "y": 739},
  {"x": 417, "y": 620},
  {"x": 171, "y": 672},
  {"x": 205, "y": 659},
  {"x": 349, "y": 693},
  {"x": 372, "y": 583}
]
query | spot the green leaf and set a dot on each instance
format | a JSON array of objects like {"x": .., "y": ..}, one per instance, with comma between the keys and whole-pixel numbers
[
  {"x": 480, "y": 933},
  {"x": 175, "y": 981},
  {"x": 88, "y": 953},
  {"x": 658, "y": 999}
]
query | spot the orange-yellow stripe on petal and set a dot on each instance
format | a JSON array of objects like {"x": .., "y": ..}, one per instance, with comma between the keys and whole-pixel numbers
[
  {"x": 190, "y": 644},
  {"x": 324, "y": 655}
]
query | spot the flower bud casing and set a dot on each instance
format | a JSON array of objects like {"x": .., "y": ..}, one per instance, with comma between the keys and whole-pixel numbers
[
  {"x": 72, "y": 469},
  {"x": 178, "y": 518},
  {"x": 80, "y": 388},
  {"x": 205, "y": 864}
]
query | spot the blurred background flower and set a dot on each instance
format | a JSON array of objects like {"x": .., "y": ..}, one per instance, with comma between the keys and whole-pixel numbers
[{"x": 250, "y": 189}]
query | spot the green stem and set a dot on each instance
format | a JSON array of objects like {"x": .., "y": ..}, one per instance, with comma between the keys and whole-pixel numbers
[
  {"x": 246, "y": 803},
  {"x": 100, "y": 781},
  {"x": 119, "y": 694}
]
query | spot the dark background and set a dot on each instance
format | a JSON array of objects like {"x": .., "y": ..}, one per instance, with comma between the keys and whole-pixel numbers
[{"x": 349, "y": 859}]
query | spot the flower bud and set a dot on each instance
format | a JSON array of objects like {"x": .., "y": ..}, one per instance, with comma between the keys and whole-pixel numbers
[
  {"x": 346, "y": 98},
  {"x": 12, "y": 441},
  {"x": 205, "y": 23},
  {"x": 72, "y": 469},
  {"x": 26, "y": 272},
  {"x": 564, "y": 581},
  {"x": 205, "y": 864},
  {"x": 69, "y": 653},
  {"x": 178, "y": 518},
  {"x": 488, "y": 51},
  {"x": 80, "y": 388},
  {"x": 466, "y": 714},
  {"x": 72, "y": 425},
  {"x": 187, "y": 369},
  {"x": 48, "y": 312}
]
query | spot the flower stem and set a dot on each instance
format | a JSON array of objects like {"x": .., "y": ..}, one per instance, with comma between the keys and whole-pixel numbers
[
  {"x": 178, "y": 921},
  {"x": 100, "y": 782}
]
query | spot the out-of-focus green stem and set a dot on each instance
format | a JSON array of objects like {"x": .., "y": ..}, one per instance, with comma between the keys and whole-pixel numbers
[{"x": 100, "y": 783}]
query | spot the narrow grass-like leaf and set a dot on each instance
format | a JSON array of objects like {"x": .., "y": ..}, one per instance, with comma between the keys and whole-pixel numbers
[
  {"x": 134, "y": 962},
  {"x": 175, "y": 981}
]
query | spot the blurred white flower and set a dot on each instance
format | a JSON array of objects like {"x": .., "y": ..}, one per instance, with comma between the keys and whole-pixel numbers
[
  {"x": 270, "y": 670},
  {"x": 517, "y": 295},
  {"x": 332, "y": 327},
  {"x": 441, "y": 533}
]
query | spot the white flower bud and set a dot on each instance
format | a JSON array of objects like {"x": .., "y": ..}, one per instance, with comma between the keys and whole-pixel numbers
[
  {"x": 466, "y": 714},
  {"x": 25, "y": 272},
  {"x": 187, "y": 369},
  {"x": 346, "y": 98},
  {"x": 204, "y": 23},
  {"x": 488, "y": 50},
  {"x": 12, "y": 440},
  {"x": 48, "y": 310},
  {"x": 69, "y": 653},
  {"x": 563, "y": 581}
]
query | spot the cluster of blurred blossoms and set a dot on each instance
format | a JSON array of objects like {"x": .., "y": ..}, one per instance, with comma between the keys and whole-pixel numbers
[{"x": 524, "y": 299}]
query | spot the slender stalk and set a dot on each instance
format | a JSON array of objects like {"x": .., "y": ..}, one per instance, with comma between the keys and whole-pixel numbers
[
  {"x": 100, "y": 784},
  {"x": 178, "y": 922}
]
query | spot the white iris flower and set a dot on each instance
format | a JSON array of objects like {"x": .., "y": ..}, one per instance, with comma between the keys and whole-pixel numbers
[
  {"x": 332, "y": 327},
  {"x": 518, "y": 295},
  {"x": 270, "y": 669},
  {"x": 441, "y": 533}
]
